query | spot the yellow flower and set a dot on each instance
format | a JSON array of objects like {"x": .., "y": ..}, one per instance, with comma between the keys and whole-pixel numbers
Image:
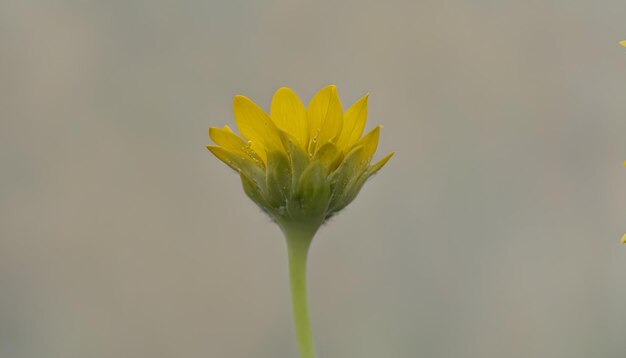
[
  {"x": 300, "y": 165},
  {"x": 623, "y": 43}
]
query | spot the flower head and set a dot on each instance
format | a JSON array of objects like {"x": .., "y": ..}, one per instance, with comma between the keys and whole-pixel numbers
[{"x": 300, "y": 165}]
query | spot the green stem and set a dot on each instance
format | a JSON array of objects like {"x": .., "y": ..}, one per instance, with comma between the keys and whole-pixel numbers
[{"x": 298, "y": 242}]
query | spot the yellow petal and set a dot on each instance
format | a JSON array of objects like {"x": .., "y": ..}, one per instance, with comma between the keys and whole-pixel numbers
[
  {"x": 289, "y": 114},
  {"x": 353, "y": 123},
  {"x": 226, "y": 139},
  {"x": 325, "y": 118},
  {"x": 329, "y": 157},
  {"x": 623, "y": 43},
  {"x": 239, "y": 163},
  {"x": 255, "y": 125},
  {"x": 369, "y": 143}
]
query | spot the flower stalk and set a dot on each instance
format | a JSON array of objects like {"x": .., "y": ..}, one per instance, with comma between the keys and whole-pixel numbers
[{"x": 298, "y": 243}]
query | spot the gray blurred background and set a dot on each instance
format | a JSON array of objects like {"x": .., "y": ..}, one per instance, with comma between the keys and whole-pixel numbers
[{"x": 494, "y": 231}]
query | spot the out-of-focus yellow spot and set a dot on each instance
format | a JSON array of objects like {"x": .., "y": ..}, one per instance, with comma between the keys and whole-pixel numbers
[
  {"x": 623, "y": 43},
  {"x": 624, "y": 239}
]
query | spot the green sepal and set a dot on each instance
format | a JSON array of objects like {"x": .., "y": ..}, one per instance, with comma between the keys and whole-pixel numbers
[
  {"x": 374, "y": 168},
  {"x": 355, "y": 184},
  {"x": 278, "y": 179},
  {"x": 298, "y": 158},
  {"x": 342, "y": 179},
  {"x": 312, "y": 194},
  {"x": 254, "y": 192},
  {"x": 350, "y": 192}
]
